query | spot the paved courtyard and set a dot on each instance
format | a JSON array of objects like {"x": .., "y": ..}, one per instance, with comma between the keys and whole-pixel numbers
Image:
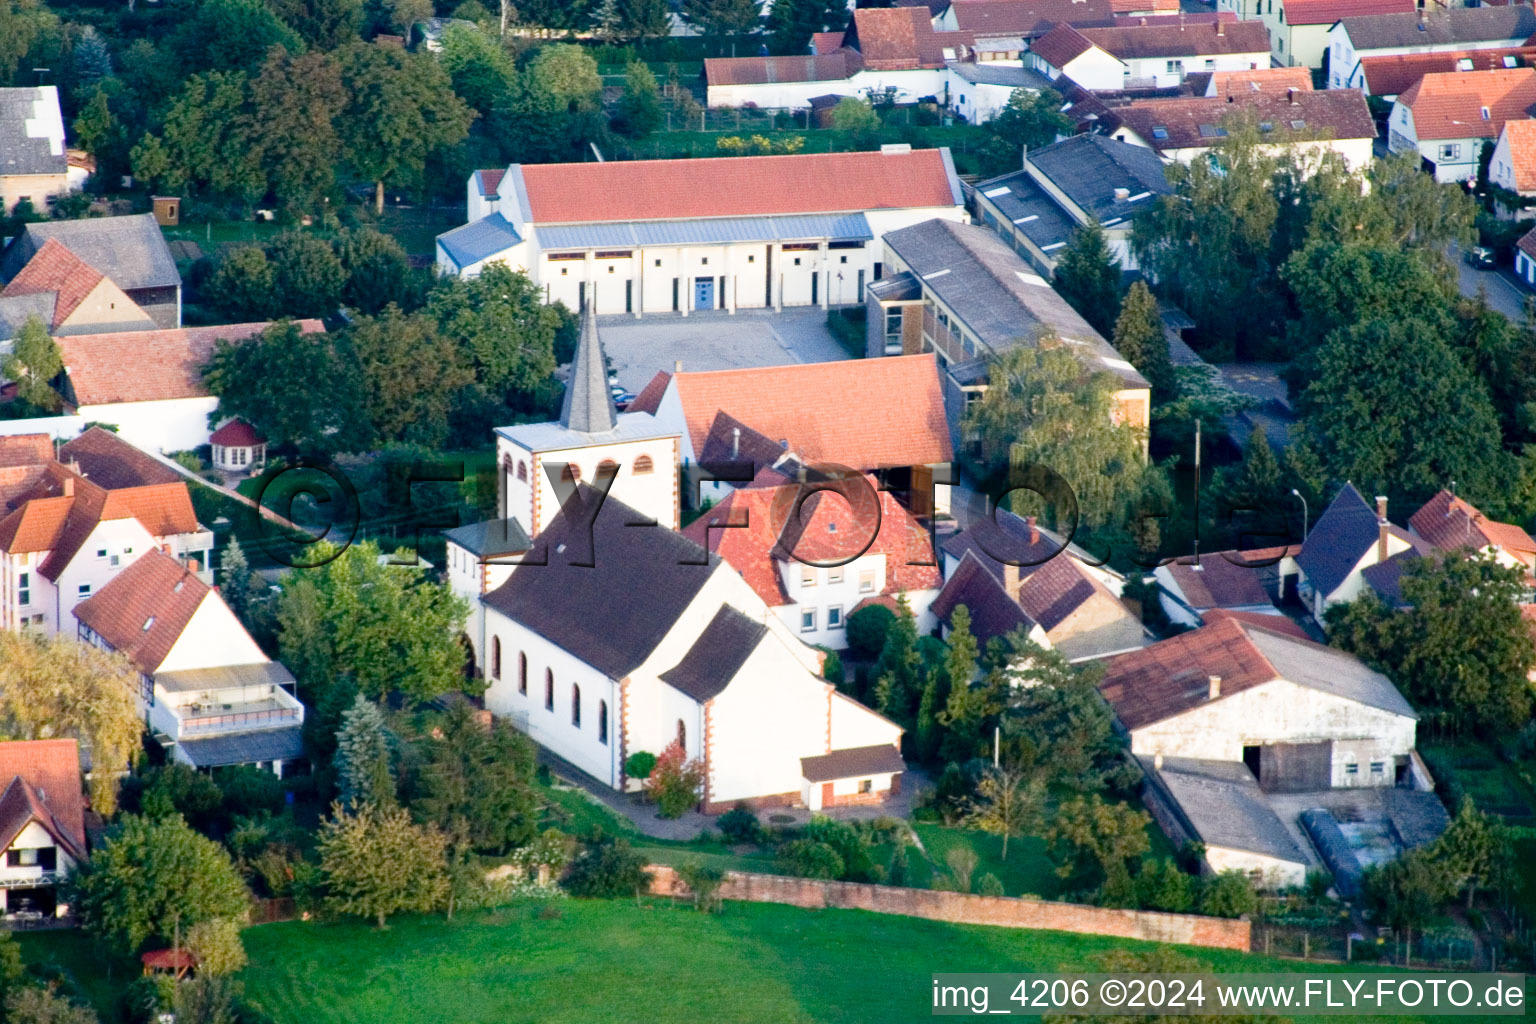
[{"x": 715, "y": 340}]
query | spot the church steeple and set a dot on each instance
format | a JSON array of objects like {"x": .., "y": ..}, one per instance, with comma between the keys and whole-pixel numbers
[{"x": 588, "y": 405}]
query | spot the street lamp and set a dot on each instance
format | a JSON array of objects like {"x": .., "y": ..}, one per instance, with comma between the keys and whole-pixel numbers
[{"x": 1303, "y": 514}]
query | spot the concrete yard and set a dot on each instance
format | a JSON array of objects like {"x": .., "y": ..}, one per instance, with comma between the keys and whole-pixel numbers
[{"x": 715, "y": 340}]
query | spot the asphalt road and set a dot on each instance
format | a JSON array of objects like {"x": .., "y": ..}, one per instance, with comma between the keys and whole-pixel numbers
[{"x": 1503, "y": 289}]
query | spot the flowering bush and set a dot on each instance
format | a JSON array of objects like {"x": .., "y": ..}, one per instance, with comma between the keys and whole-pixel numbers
[{"x": 676, "y": 782}]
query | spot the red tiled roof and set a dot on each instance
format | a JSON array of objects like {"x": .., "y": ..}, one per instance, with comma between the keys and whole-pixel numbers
[
  {"x": 25, "y": 450},
  {"x": 49, "y": 771},
  {"x": 1449, "y": 522},
  {"x": 1028, "y": 17},
  {"x": 1527, "y": 243},
  {"x": 1177, "y": 39},
  {"x": 236, "y": 434},
  {"x": 163, "y": 510},
  {"x": 825, "y": 67},
  {"x": 108, "y": 461},
  {"x": 55, "y": 269},
  {"x": 1449, "y": 105},
  {"x": 490, "y": 180},
  {"x": 1522, "y": 153},
  {"x": 149, "y": 366},
  {"x": 826, "y": 42},
  {"x": 1335, "y": 113},
  {"x": 1326, "y": 12},
  {"x": 36, "y": 526},
  {"x": 861, "y": 413},
  {"x": 895, "y": 38},
  {"x": 169, "y": 959},
  {"x": 1158, "y": 682},
  {"x": 1230, "y": 83},
  {"x": 1395, "y": 74},
  {"x": 1132, "y": 6},
  {"x": 739, "y": 186},
  {"x": 1061, "y": 45},
  {"x": 1274, "y": 623},
  {"x": 1219, "y": 582},
  {"x": 145, "y": 608},
  {"x": 649, "y": 398},
  {"x": 753, "y": 533}
]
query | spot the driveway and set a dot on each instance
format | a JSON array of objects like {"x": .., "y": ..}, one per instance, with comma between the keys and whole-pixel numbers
[
  {"x": 715, "y": 340},
  {"x": 1503, "y": 289}
]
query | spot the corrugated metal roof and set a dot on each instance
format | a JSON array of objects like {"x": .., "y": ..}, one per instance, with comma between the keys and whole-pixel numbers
[
  {"x": 479, "y": 240},
  {"x": 224, "y": 678},
  {"x": 245, "y": 747},
  {"x": 712, "y": 231}
]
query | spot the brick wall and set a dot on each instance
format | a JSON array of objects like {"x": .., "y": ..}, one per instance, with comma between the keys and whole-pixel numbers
[{"x": 964, "y": 908}]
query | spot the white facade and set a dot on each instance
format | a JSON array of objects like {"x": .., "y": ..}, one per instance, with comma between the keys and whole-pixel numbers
[
  {"x": 1356, "y": 153},
  {"x": 1282, "y": 712},
  {"x": 1454, "y": 160},
  {"x": 1344, "y": 60},
  {"x": 910, "y": 86},
  {"x": 977, "y": 102},
  {"x": 821, "y": 598},
  {"x": 1098, "y": 70},
  {"x": 1274, "y": 872},
  {"x": 40, "y": 862},
  {"x": 168, "y": 425},
  {"x": 1353, "y": 584},
  {"x": 1501, "y": 169},
  {"x": 529, "y": 495}
]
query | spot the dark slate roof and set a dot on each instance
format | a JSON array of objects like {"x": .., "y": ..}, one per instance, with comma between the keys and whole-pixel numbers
[
  {"x": 491, "y": 538},
  {"x": 1089, "y": 169},
  {"x": 245, "y": 747},
  {"x": 1440, "y": 27},
  {"x": 612, "y": 611},
  {"x": 266, "y": 673},
  {"x": 1386, "y": 578},
  {"x": 1419, "y": 817},
  {"x": 716, "y": 656},
  {"x": 588, "y": 405},
  {"x": 24, "y": 153},
  {"x": 15, "y": 309},
  {"x": 990, "y": 73},
  {"x": 1223, "y": 802},
  {"x": 993, "y": 612},
  {"x": 1025, "y": 205},
  {"x": 1340, "y": 538},
  {"x": 723, "y": 444},
  {"x": 130, "y": 250},
  {"x": 479, "y": 240},
  {"x": 852, "y": 763},
  {"x": 904, "y": 287},
  {"x": 998, "y": 296}
]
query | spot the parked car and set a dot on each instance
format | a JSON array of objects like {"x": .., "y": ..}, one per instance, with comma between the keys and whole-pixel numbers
[{"x": 1481, "y": 257}]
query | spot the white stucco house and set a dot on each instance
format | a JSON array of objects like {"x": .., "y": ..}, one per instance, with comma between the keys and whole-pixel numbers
[
  {"x": 480, "y": 557},
  {"x": 1231, "y": 719},
  {"x": 1344, "y": 542},
  {"x": 1430, "y": 29},
  {"x": 1298, "y": 29},
  {"x": 842, "y": 551},
  {"x": 1447, "y": 118},
  {"x": 640, "y": 236},
  {"x": 209, "y": 695},
  {"x": 64, "y": 536},
  {"x": 1513, "y": 166},
  {"x": 42, "y": 824},
  {"x": 612, "y": 638},
  {"x": 1149, "y": 53}
]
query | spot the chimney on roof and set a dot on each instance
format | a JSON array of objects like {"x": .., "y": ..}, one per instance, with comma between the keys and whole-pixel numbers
[
  {"x": 1034, "y": 529},
  {"x": 166, "y": 548},
  {"x": 1157, "y": 762},
  {"x": 1122, "y": 194},
  {"x": 1221, "y": 29},
  {"x": 69, "y": 487},
  {"x": 1215, "y": 686},
  {"x": 1381, "y": 528},
  {"x": 735, "y": 442},
  {"x": 1290, "y": 96},
  {"x": 677, "y": 366},
  {"x": 1011, "y": 580}
]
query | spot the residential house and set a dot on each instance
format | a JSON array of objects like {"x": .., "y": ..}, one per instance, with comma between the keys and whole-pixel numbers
[
  {"x": 542, "y": 462},
  {"x": 129, "y": 251},
  {"x": 34, "y": 166},
  {"x": 958, "y": 291},
  {"x": 1224, "y": 580},
  {"x": 1241, "y": 729},
  {"x": 642, "y": 236},
  {"x": 1345, "y": 541},
  {"x": 1064, "y": 186},
  {"x": 1302, "y": 120},
  {"x": 1448, "y": 523},
  {"x": 1446, "y": 118},
  {"x": 1298, "y": 29},
  {"x": 1149, "y": 54},
  {"x": 67, "y": 296},
  {"x": 815, "y": 562},
  {"x": 1010, "y": 574},
  {"x": 208, "y": 694},
  {"x": 480, "y": 557},
  {"x": 1430, "y": 29},
  {"x": 149, "y": 384},
  {"x": 979, "y": 90},
  {"x": 1267, "y": 80},
  {"x": 1513, "y": 167},
  {"x": 779, "y": 417},
  {"x": 1390, "y": 76},
  {"x": 42, "y": 824},
  {"x": 594, "y": 674},
  {"x": 64, "y": 536},
  {"x": 1028, "y": 19},
  {"x": 1525, "y": 258}
]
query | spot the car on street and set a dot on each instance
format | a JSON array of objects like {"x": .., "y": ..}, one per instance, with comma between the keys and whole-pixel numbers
[{"x": 1481, "y": 257}]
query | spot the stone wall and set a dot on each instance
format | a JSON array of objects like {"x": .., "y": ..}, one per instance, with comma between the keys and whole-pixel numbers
[{"x": 965, "y": 908}]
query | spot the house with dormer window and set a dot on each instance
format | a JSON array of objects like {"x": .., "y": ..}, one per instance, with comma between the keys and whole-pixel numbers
[{"x": 42, "y": 825}]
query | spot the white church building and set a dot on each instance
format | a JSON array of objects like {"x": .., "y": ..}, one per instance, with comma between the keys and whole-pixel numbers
[{"x": 675, "y": 236}]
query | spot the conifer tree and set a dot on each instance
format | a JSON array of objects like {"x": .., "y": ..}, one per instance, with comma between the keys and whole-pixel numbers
[
  {"x": 363, "y": 771},
  {"x": 1141, "y": 341}
]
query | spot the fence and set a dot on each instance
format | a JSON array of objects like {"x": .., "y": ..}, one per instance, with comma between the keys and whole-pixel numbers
[
  {"x": 271, "y": 910},
  {"x": 965, "y": 908},
  {"x": 1447, "y": 948}
]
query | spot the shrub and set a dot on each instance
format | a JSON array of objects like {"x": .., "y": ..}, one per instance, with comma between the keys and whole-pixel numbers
[
  {"x": 962, "y": 861},
  {"x": 607, "y": 868},
  {"x": 896, "y": 873},
  {"x": 1228, "y": 894},
  {"x": 866, "y": 630},
  {"x": 990, "y": 885},
  {"x": 740, "y": 825},
  {"x": 810, "y": 859},
  {"x": 1162, "y": 886},
  {"x": 704, "y": 882},
  {"x": 851, "y": 847},
  {"x": 832, "y": 668},
  {"x": 676, "y": 782},
  {"x": 249, "y": 791},
  {"x": 639, "y": 764}
]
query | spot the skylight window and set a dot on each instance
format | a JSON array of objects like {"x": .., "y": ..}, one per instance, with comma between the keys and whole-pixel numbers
[
  {"x": 1159, "y": 132},
  {"x": 1484, "y": 111},
  {"x": 148, "y": 623},
  {"x": 1298, "y": 125},
  {"x": 1511, "y": 61},
  {"x": 1266, "y": 126},
  {"x": 1464, "y": 64},
  {"x": 993, "y": 193}
]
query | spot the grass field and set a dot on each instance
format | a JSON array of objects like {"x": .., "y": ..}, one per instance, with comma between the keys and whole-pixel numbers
[{"x": 663, "y": 962}]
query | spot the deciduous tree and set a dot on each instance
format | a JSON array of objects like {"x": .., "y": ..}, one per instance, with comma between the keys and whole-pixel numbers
[
  {"x": 294, "y": 105},
  {"x": 716, "y": 19},
  {"x": 1008, "y": 800},
  {"x": 1030, "y": 119},
  {"x": 216, "y": 944},
  {"x": 1090, "y": 834},
  {"x": 150, "y": 878},
  {"x": 639, "y": 112},
  {"x": 34, "y": 363},
  {"x": 676, "y": 783},
  {"x": 501, "y": 322},
  {"x": 376, "y": 863},
  {"x": 411, "y": 376}
]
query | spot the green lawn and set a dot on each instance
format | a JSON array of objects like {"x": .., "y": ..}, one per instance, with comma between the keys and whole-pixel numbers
[{"x": 614, "y": 960}]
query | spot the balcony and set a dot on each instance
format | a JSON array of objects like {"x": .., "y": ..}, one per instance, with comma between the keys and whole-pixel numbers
[
  {"x": 943, "y": 339},
  {"x": 197, "y": 720}
]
